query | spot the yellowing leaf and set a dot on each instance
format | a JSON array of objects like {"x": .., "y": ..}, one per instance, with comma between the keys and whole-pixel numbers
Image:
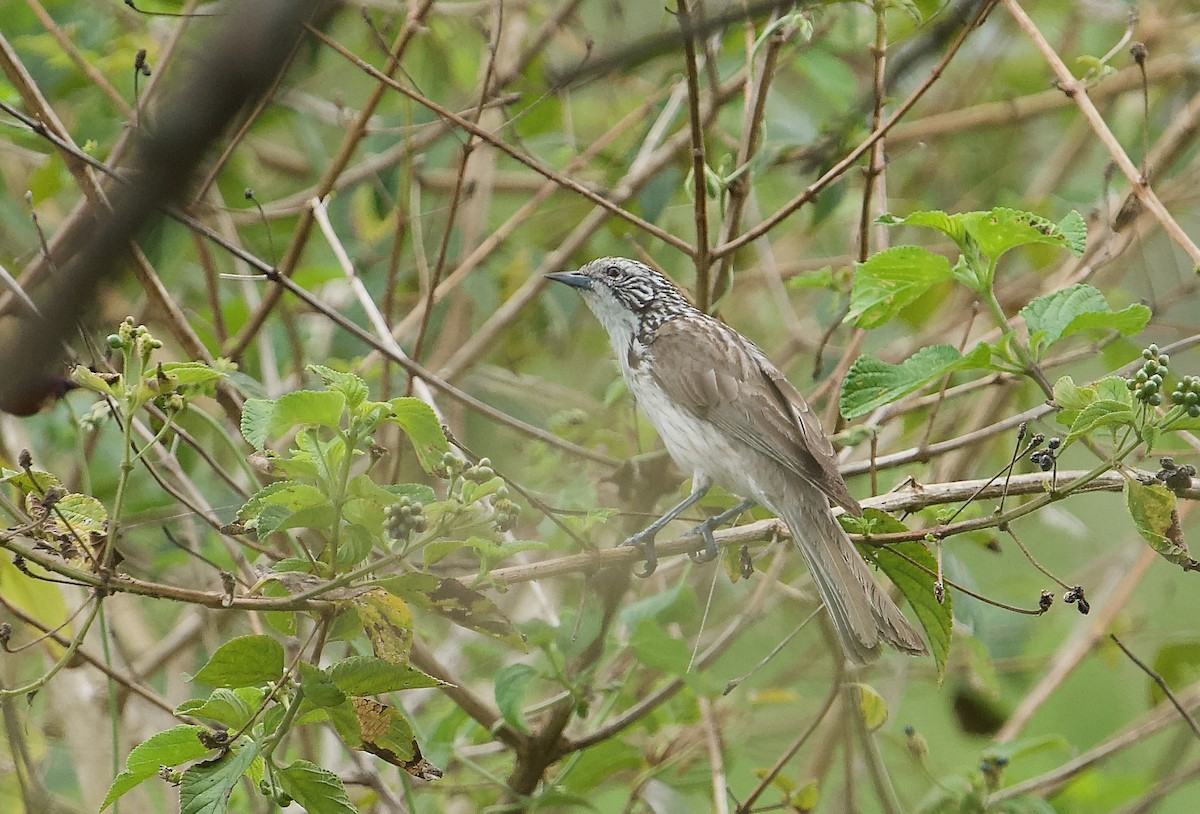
[
  {"x": 387, "y": 621},
  {"x": 873, "y": 707}
]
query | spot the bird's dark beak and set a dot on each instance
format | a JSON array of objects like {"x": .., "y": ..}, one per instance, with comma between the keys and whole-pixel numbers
[{"x": 572, "y": 278}]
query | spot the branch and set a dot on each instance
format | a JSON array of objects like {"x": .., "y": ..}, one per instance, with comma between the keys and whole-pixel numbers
[{"x": 1077, "y": 90}]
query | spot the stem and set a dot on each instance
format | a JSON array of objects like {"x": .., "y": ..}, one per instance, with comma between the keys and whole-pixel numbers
[
  {"x": 65, "y": 659},
  {"x": 1024, "y": 354},
  {"x": 350, "y": 441}
]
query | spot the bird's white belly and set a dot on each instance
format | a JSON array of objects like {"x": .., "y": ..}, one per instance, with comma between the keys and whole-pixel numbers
[{"x": 696, "y": 446}]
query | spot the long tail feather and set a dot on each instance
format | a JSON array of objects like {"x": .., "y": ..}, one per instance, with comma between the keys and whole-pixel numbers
[{"x": 861, "y": 610}]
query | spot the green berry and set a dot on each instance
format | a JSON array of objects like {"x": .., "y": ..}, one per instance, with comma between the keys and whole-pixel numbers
[
  {"x": 1194, "y": 411},
  {"x": 1154, "y": 400},
  {"x": 114, "y": 341}
]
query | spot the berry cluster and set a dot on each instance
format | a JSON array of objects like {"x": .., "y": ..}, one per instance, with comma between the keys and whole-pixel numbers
[
  {"x": 449, "y": 467},
  {"x": 504, "y": 511},
  {"x": 1187, "y": 394},
  {"x": 1148, "y": 381},
  {"x": 481, "y": 472},
  {"x": 1044, "y": 458},
  {"x": 404, "y": 517}
]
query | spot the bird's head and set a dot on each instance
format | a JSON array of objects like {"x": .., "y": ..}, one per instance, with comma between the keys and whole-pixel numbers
[{"x": 624, "y": 293}]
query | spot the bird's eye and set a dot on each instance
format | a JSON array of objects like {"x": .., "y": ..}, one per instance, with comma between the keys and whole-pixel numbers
[{"x": 612, "y": 272}]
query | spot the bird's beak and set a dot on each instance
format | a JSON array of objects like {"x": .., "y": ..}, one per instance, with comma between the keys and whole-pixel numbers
[{"x": 572, "y": 278}]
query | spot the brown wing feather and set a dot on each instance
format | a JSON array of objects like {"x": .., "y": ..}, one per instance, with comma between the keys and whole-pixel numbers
[{"x": 723, "y": 378}]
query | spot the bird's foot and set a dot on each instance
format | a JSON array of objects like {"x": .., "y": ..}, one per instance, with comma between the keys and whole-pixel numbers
[
  {"x": 705, "y": 530},
  {"x": 644, "y": 540}
]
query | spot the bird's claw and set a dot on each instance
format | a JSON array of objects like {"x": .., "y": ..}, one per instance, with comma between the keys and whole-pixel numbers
[
  {"x": 710, "y": 552},
  {"x": 645, "y": 543}
]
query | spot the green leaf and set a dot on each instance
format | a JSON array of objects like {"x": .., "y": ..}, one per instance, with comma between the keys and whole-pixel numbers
[
  {"x": 596, "y": 765},
  {"x": 1077, "y": 308},
  {"x": 1074, "y": 229},
  {"x": 232, "y": 708},
  {"x": 511, "y": 684},
  {"x": 1178, "y": 663},
  {"x": 915, "y": 582},
  {"x": 422, "y": 427},
  {"x": 37, "y": 484},
  {"x": 256, "y": 420},
  {"x": 206, "y": 786},
  {"x": 461, "y": 605},
  {"x": 287, "y": 498},
  {"x": 191, "y": 377},
  {"x": 388, "y": 623},
  {"x": 950, "y": 225},
  {"x": 871, "y": 383},
  {"x": 654, "y": 648},
  {"x": 317, "y": 790},
  {"x": 1071, "y": 397},
  {"x": 1100, "y": 413},
  {"x": 872, "y": 706},
  {"x": 243, "y": 662},
  {"x": 300, "y": 408},
  {"x": 351, "y": 386},
  {"x": 1002, "y": 229},
  {"x": 370, "y": 675},
  {"x": 83, "y": 513},
  {"x": 172, "y": 747},
  {"x": 320, "y": 689},
  {"x": 892, "y": 279},
  {"x": 1153, "y": 511}
]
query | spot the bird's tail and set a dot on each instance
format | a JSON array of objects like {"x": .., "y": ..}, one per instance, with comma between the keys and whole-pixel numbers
[{"x": 861, "y": 610}]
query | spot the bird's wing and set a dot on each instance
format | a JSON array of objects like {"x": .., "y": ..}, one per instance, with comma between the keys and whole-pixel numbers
[{"x": 723, "y": 378}]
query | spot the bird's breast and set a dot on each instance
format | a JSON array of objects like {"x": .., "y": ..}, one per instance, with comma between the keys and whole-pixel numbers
[{"x": 696, "y": 445}]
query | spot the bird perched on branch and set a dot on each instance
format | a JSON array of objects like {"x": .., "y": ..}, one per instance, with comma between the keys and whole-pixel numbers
[{"x": 728, "y": 416}]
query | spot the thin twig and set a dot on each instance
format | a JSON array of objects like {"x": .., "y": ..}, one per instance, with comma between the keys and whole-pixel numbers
[
  {"x": 1162, "y": 684},
  {"x": 1077, "y": 90}
]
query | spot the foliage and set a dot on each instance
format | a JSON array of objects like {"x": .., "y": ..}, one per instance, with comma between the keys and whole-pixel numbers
[{"x": 334, "y": 528}]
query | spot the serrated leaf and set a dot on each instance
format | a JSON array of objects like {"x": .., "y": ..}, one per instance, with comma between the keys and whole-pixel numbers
[
  {"x": 422, "y": 427},
  {"x": 243, "y": 662},
  {"x": 1077, "y": 308},
  {"x": 232, "y": 708},
  {"x": 81, "y": 513},
  {"x": 317, "y": 790},
  {"x": 1153, "y": 511},
  {"x": 1100, "y": 413},
  {"x": 1001, "y": 229},
  {"x": 172, "y": 747},
  {"x": 388, "y": 623},
  {"x": 205, "y": 787},
  {"x": 871, "y": 383},
  {"x": 319, "y": 687},
  {"x": 256, "y": 421},
  {"x": 872, "y": 707},
  {"x": 286, "y": 498},
  {"x": 371, "y": 675},
  {"x": 37, "y": 484},
  {"x": 892, "y": 279},
  {"x": 916, "y": 583},
  {"x": 352, "y": 387},
  {"x": 511, "y": 684},
  {"x": 300, "y": 408},
  {"x": 1074, "y": 229},
  {"x": 950, "y": 225},
  {"x": 1070, "y": 396},
  {"x": 465, "y": 607}
]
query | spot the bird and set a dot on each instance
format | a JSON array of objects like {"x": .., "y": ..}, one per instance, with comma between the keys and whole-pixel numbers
[{"x": 728, "y": 416}]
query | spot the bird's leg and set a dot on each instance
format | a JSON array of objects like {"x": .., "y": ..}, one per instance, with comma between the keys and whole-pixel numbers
[
  {"x": 644, "y": 539},
  {"x": 705, "y": 530}
]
